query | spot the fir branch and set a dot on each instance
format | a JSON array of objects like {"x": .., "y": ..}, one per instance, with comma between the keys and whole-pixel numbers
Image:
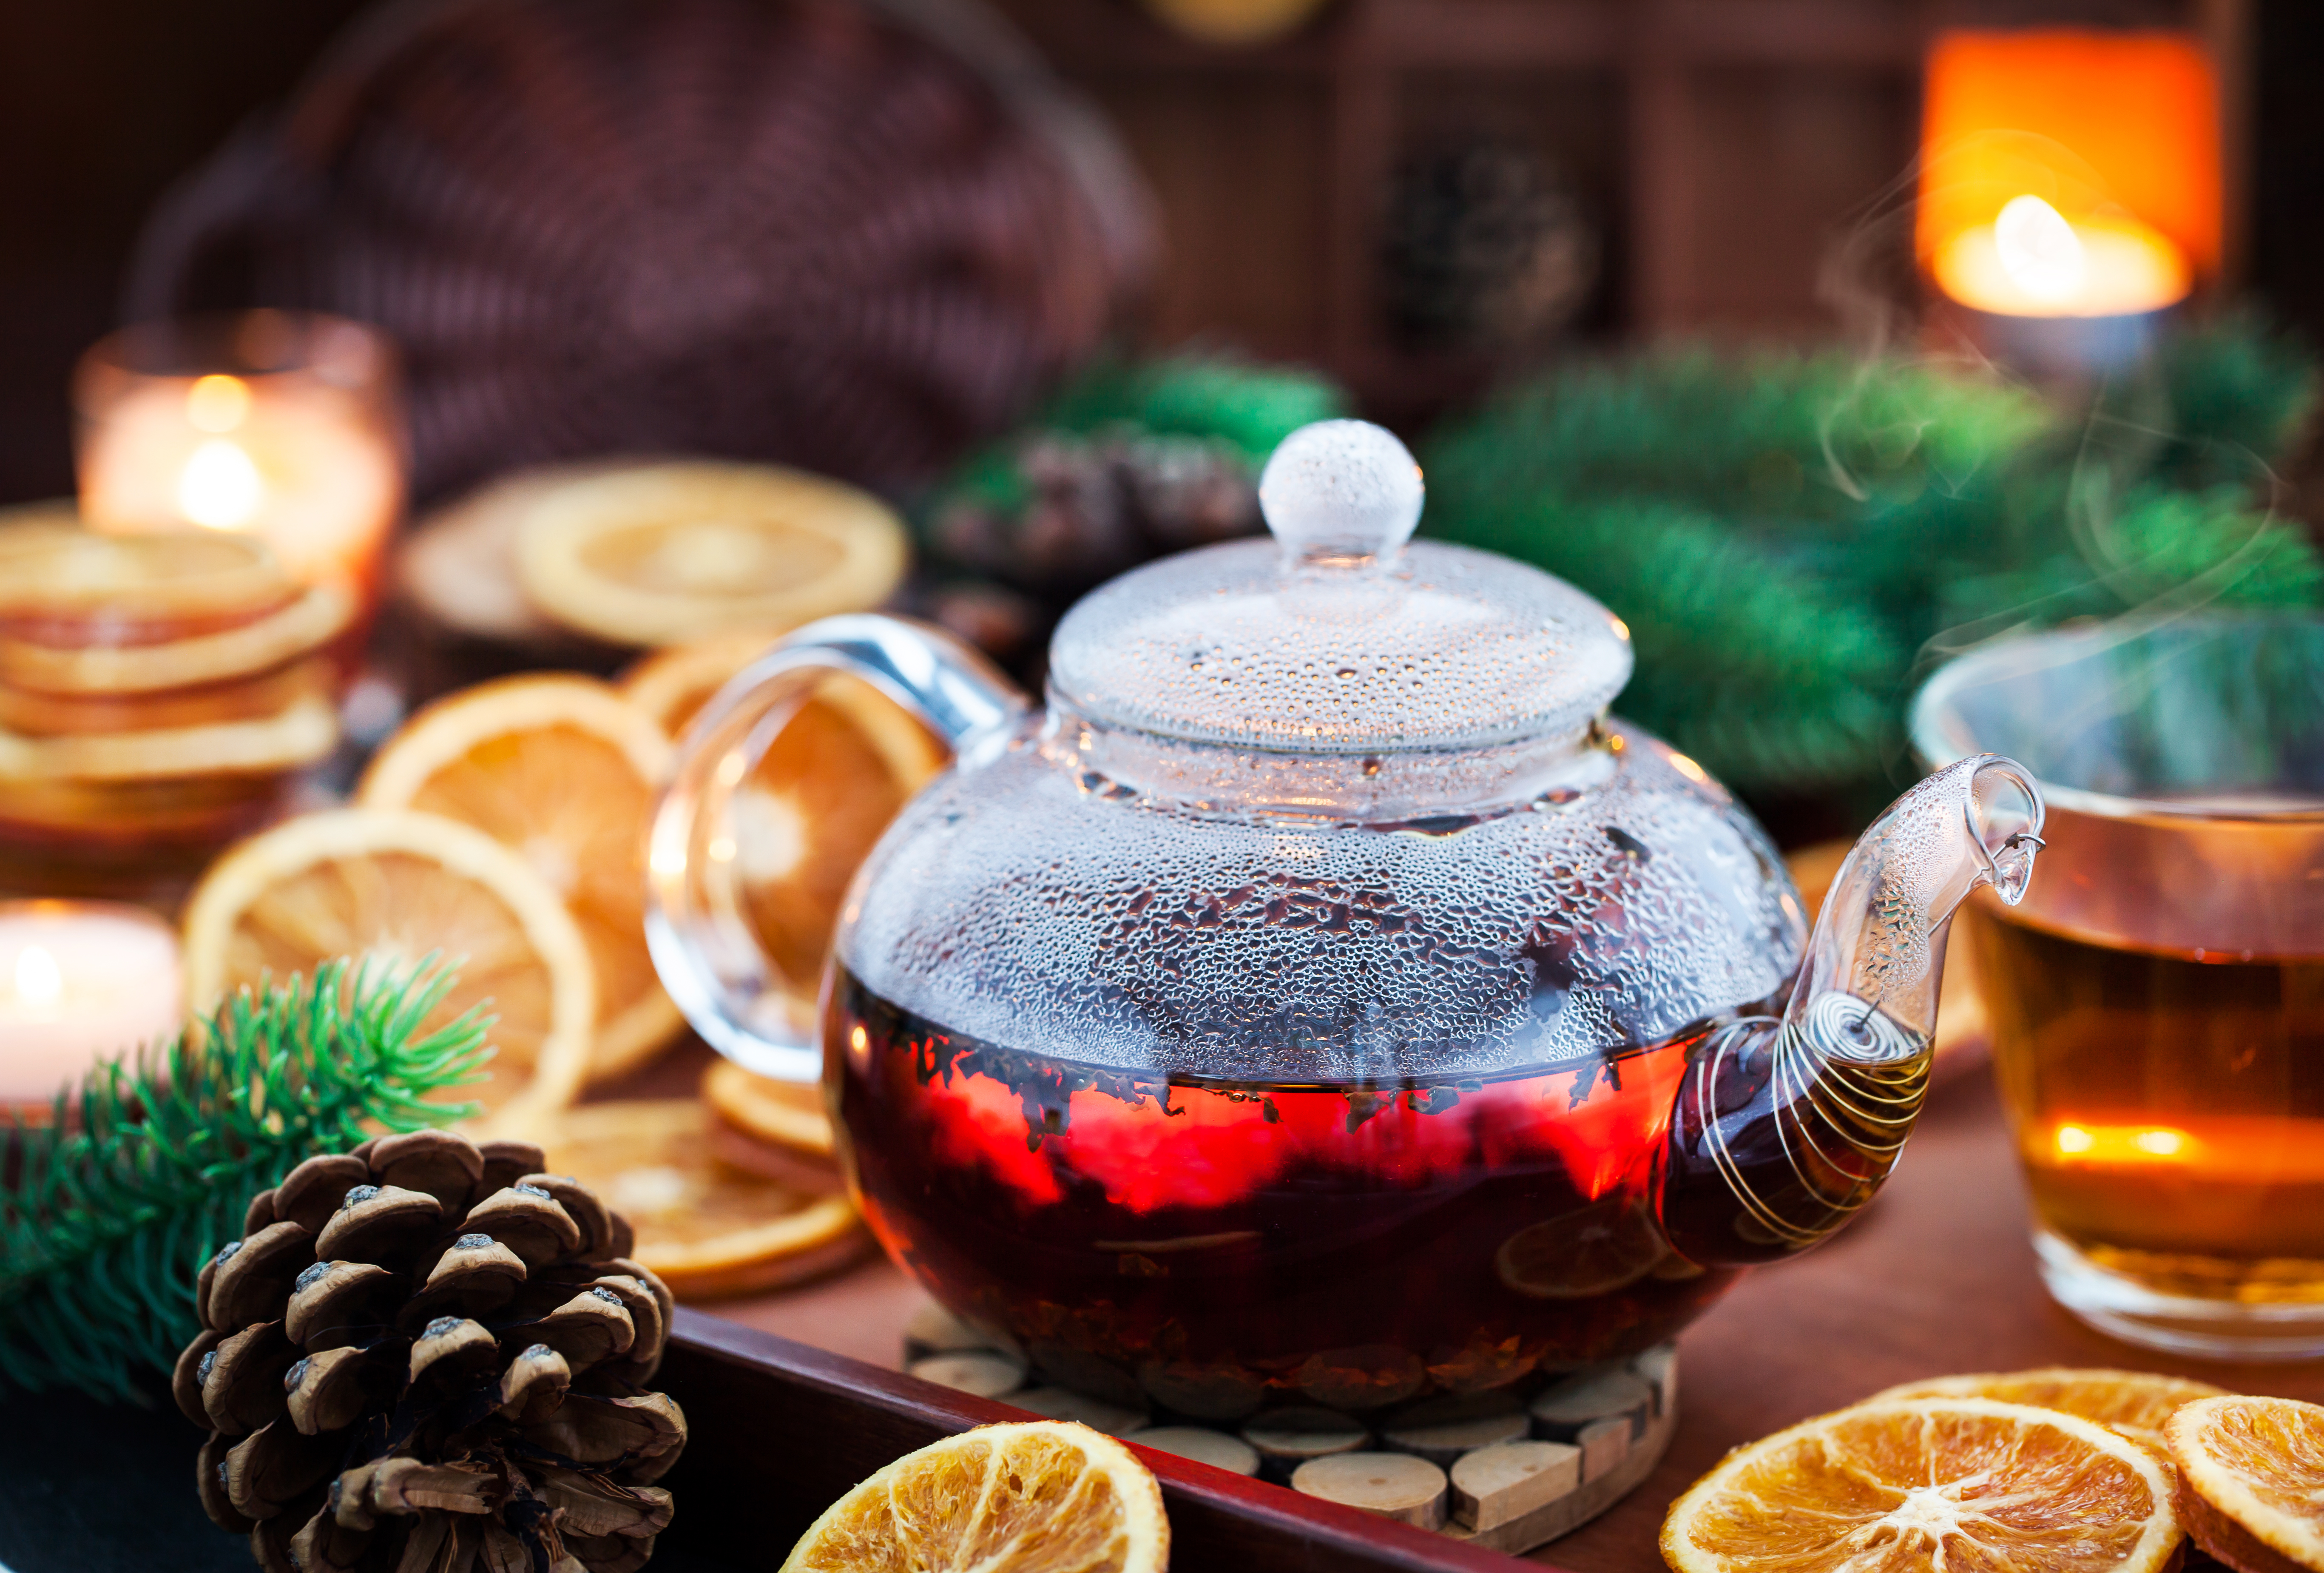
[
  {"x": 148, "y": 1169},
  {"x": 2241, "y": 395},
  {"x": 1782, "y": 532}
]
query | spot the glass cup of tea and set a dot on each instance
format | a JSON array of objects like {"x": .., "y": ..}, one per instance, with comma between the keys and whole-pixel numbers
[{"x": 2157, "y": 1001}]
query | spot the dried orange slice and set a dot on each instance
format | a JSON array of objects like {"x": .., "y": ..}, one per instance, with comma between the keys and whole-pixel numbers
[
  {"x": 357, "y": 882},
  {"x": 306, "y": 731},
  {"x": 252, "y": 698},
  {"x": 62, "y": 817},
  {"x": 807, "y": 815},
  {"x": 53, "y": 571},
  {"x": 707, "y": 1229},
  {"x": 2132, "y": 1403},
  {"x": 1929, "y": 1483},
  {"x": 819, "y": 797},
  {"x": 564, "y": 772},
  {"x": 672, "y": 684},
  {"x": 787, "y": 1114},
  {"x": 459, "y": 563},
  {"x": 660, "y": 554},
  {"x": 2252, "y": 1473},
  {"x": 297, "y": 629},
  {"x": 1592, "y": 1250},
  {"x": 1040, "y": 1496}
]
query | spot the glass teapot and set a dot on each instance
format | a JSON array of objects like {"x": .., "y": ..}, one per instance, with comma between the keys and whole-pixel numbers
[{"x": 1323, "y": 993}]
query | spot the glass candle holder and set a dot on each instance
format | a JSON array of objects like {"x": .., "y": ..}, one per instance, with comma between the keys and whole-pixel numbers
[{"x": 286, "y": 425}]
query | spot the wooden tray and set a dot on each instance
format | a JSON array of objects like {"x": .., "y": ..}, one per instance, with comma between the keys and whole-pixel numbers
[{"x": 777, "y": 1430}]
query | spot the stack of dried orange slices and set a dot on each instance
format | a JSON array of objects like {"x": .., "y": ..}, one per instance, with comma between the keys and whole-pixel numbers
[
  {"x": 2049, "y": 1471},
  {"x": 156, "y": 691}
]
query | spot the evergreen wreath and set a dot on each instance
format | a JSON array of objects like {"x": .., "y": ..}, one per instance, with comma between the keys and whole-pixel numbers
[{"x": 110, "y": 1210}]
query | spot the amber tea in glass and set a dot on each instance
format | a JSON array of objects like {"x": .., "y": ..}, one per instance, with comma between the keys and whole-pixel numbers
[
  {"x": 2170, "y": 1110},
  {"x": 2158, "y": 1005}
]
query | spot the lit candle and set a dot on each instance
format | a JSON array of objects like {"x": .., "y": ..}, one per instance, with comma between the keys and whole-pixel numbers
[
  {"x": 80, "y": 982},
  {"x": 2031, "y": 261},
  {"x": 292, "y": 436}
]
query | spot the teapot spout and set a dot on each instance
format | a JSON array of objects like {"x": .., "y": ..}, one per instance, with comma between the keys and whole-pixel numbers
[{"x": 1784, "y": 1130}]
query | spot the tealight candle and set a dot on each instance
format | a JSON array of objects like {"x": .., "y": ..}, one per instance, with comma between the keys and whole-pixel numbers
[
  {"x": 2059, "y": 294},
  {"x": 80, "y": 982},
  {"x": 2031, "y": 261},
  {"x": 274, "y": 423}
]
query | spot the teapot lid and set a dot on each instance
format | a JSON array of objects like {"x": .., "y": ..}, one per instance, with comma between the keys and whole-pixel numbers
[{"x": 1337, "y": 636}]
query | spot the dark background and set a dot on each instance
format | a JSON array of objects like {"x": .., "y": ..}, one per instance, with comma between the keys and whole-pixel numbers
[{"x": 103, "y": 103}]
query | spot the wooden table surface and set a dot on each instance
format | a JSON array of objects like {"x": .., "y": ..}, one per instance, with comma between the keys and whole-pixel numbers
[{"x": 1937, "y": 1277}]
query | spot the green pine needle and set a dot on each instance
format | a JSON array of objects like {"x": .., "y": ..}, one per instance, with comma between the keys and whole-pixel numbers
[{"x": 111, "y": 1211}]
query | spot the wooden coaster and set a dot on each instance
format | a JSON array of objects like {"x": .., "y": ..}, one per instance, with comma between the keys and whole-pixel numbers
[
  {"x": 981, "y": 1372},
  {"x": 1205, "y": 1446},
  {"x": 1443, "y": 1429},
  {"x": 1499, "y": 1484},
  {"x": 1289, "y": 1438},
  {"x": 1561, "y": 1413},
  {"x": 1658, "y": 1369},
  {"x": 1563, "y": 1514},
  {"x": 1459, "y": 1463},
  {"x": 1395, "y": 1485},
  {"x": 1604, "y": 1445}
]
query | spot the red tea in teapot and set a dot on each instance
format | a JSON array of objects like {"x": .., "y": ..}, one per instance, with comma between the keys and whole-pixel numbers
[{"x": 1217, "y": 1242}]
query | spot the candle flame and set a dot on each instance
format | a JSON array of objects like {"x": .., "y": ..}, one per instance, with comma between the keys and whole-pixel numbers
[
  {"x": 2031, "y": 261},
  {"x": 217, "y": 403},
  {"x": 221, "y": 487},
  {"x": 39, "y": 984},
  {"x": 2039, "y": 249}
]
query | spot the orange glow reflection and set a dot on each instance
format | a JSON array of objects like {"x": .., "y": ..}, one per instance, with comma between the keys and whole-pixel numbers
[{"x": 2067, "y": 172}]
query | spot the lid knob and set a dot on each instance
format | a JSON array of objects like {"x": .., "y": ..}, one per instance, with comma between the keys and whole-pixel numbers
[{"x": 1341, "y": 489}]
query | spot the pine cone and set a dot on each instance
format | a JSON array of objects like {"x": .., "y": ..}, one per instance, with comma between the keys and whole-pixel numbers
[{"x": 424, "y": 1356}]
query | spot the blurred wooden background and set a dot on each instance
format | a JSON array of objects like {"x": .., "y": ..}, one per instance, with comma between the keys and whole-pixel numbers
[{"x": 1716, "y": 150}]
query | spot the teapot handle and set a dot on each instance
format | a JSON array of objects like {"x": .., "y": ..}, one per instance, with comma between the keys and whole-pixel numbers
[{"x": 702, "y": 944}]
